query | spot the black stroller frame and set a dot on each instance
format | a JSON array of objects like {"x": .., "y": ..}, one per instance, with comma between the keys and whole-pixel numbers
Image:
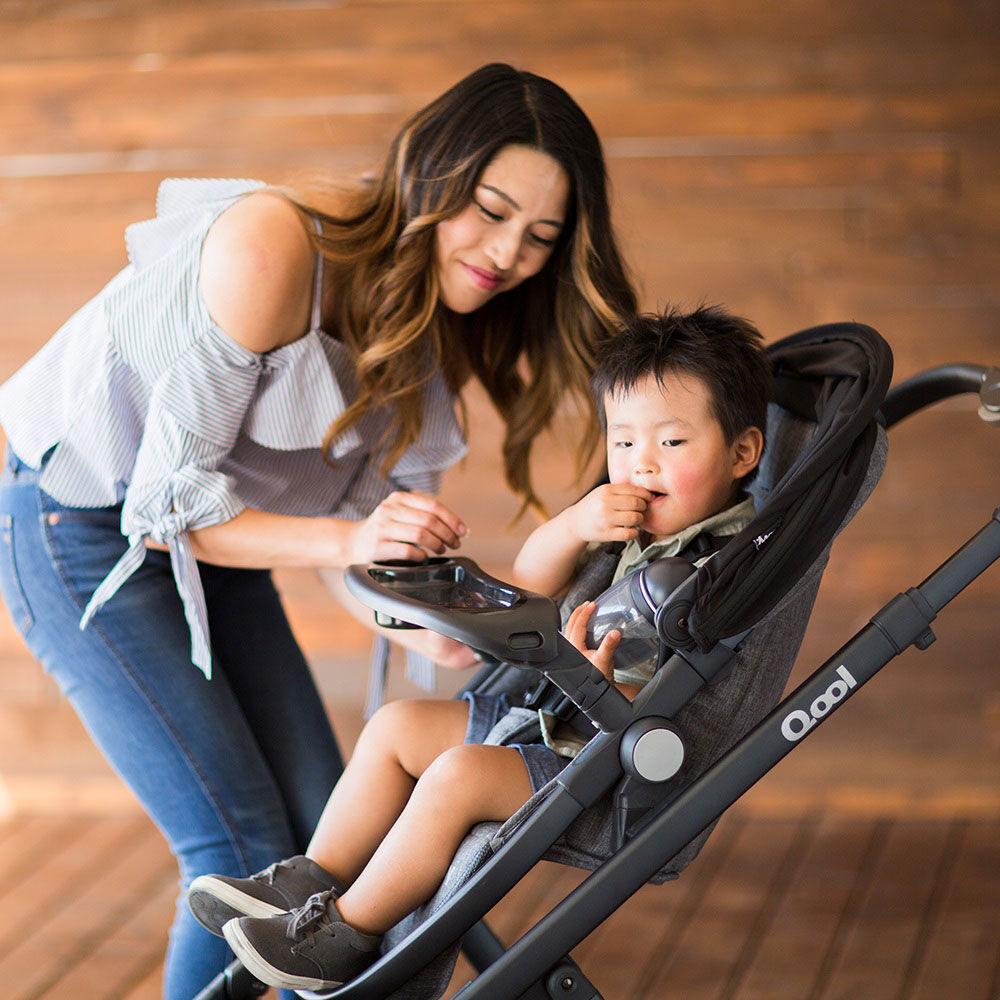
[{"x": 456, "y": 598}]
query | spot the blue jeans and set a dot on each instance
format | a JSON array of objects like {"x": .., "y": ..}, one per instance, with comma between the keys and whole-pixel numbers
[{"x": 235, "y": 771}]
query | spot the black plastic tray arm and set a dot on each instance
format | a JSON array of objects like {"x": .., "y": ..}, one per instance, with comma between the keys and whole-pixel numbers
[
  {"x": 507, "y": 623},
  {"x": 589, "y": 689}
]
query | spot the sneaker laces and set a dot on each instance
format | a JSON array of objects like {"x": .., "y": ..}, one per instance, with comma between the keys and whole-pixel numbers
[
  {"x": 267, "y": 875},
  {"x": 313, "y": 916}
]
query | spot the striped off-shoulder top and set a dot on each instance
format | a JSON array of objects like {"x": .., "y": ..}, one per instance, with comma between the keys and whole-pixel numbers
[{"x": 141, "y": 400}]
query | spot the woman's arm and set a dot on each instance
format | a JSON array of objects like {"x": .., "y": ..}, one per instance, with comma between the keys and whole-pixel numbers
[
  {"x": 257, "y": 540},
  {"x": 403, "y": 526},
  {"x": 256, "y": 272}
]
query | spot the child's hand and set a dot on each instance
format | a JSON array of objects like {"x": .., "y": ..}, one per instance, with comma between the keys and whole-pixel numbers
[
  {"x": 610, "y": 513},
  {"x": 576, "y": 632}
]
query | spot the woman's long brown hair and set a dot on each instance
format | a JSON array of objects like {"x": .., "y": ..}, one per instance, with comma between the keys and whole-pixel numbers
[{"x": 528, "y": 347}]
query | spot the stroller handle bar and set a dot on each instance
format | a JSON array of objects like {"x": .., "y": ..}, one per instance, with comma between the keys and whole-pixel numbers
[{"x": 940, "y": 383}]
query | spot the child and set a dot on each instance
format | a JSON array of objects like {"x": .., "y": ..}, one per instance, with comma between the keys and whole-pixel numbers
[{"x": 684, "y": 401}]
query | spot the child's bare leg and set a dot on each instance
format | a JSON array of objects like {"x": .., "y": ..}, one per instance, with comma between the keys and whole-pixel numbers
[
  {"x": 467, "y": 784},
  {"x": 394, "y": 749}
]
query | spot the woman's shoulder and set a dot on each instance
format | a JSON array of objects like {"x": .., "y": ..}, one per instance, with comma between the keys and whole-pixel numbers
[{"x": 256, "y": 272}]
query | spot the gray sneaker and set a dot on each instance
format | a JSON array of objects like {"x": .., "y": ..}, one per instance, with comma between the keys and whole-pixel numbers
[
  {"x": 310, "y": 948},
  {"x": 216, "y": 899}
]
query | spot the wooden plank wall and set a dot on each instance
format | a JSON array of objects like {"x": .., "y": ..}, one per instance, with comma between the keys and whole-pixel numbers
[{"x": 801, "y": 162}]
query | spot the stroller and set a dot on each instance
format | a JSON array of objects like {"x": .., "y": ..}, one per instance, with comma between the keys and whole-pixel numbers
[{"x": 642, "y": 797}]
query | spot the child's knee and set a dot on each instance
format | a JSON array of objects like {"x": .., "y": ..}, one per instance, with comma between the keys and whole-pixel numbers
[
  {"x": 415, "y": 731},
  {"x": 472, "y": 773},
  {"x": 381, "y": 733},
  {"x": 392, "y": 720},
  {"x": 457, "y": 765}
]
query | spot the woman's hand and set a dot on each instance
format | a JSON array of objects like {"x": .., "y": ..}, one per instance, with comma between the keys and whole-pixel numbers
[
  {"x": 576, "y": 632},
  {"x": 406, "y": 526},
  {"x": 445, "y": 652},
  {"x": 609, "y": 513}
]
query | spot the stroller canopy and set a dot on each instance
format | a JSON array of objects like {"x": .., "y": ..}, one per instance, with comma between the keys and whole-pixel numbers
[{"x": 830, "y": 381}]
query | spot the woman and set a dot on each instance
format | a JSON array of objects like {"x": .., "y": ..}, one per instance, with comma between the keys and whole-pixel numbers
[{"x": 271, "y": 382}]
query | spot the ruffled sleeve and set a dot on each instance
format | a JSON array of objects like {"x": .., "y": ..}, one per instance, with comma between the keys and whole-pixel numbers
[
  {"x": 200, "y": 384},
  {"x": 316, "y": 368},
  {"x": 195, "y": 412}
]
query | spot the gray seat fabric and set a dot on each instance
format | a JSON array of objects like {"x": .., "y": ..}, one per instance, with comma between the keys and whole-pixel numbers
[{"x": 714, "y": 720}]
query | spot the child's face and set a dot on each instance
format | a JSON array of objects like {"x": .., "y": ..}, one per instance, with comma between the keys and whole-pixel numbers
[{"x": 667, "y": 440}]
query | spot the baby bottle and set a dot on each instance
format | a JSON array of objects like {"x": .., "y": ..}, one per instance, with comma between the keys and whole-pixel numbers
[{"x": 630, "y": 606}]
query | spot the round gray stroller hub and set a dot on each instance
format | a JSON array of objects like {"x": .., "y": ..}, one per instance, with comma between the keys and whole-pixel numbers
[{"x": 652, "y": 750}]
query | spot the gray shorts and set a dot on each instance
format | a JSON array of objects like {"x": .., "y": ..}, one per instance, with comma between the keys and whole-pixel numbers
[{"x": 495, "y": 722}]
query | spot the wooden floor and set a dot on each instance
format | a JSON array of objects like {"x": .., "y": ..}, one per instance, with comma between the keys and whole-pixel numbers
[
  {"x": 802, "y": 162},
  {"x": 818, "y": 907}
]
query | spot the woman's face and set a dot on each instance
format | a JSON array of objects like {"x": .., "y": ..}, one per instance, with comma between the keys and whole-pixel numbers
[{"x": 506, "y": 233}]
